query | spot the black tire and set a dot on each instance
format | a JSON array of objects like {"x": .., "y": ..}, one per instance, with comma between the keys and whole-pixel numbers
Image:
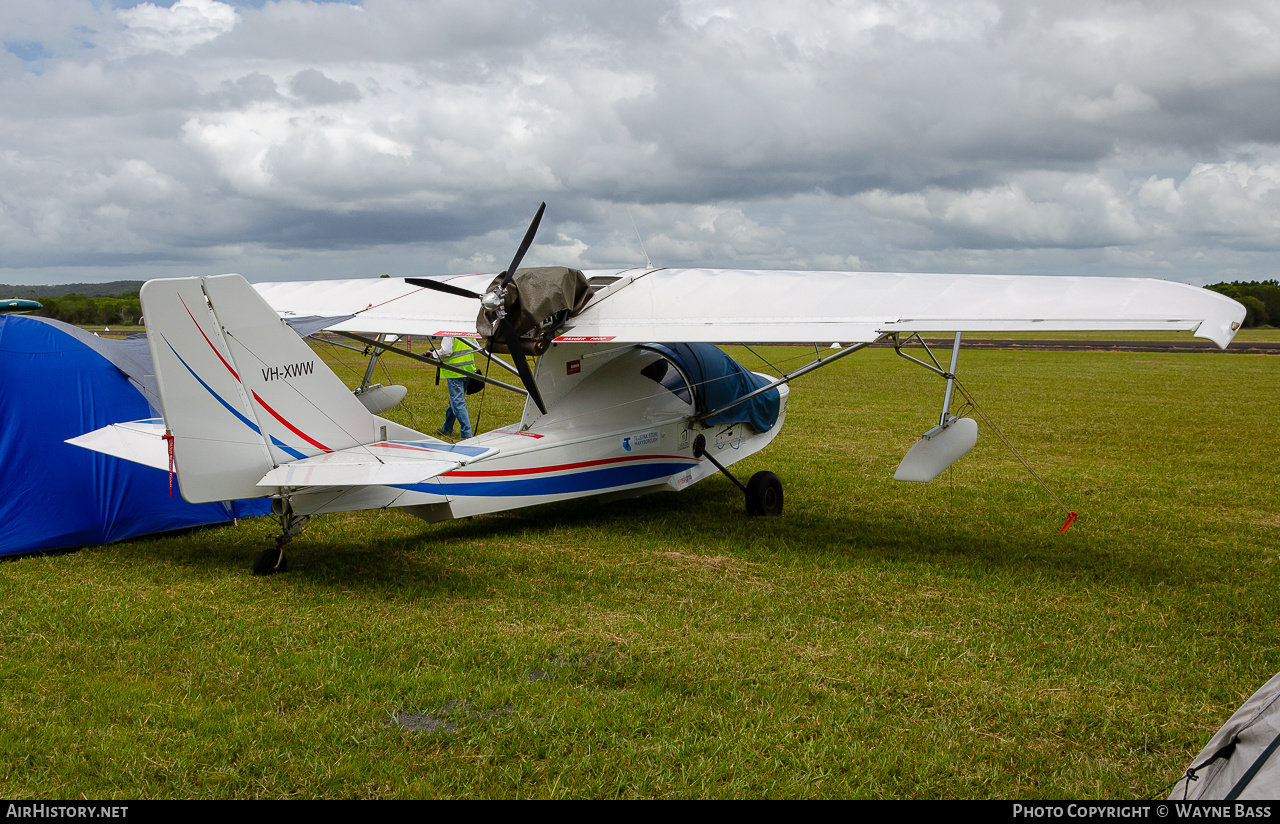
[
  {"x": 764, "y": 494},
  {"x": 269, "y": 561}
]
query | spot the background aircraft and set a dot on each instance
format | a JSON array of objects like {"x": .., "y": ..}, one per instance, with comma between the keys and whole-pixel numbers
[{"x": 18, "y": 305}]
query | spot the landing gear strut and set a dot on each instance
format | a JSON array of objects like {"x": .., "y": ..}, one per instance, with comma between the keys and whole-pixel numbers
[
  {"x": 271, "y": 559},
  {"x": 763, "y": 492}
]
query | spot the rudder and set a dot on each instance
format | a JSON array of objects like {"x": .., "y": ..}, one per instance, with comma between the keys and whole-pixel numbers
[{"x": 241, "y": 393}]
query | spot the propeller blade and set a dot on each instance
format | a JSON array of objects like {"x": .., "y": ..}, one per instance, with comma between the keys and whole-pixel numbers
[
  {"x": 524, "y": 247},
  {"x": 440, "y": 286},
  {"x": 512, "y": 339}
]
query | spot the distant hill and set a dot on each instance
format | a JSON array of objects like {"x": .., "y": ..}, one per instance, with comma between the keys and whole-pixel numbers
[{"x": 93, "y": 290}]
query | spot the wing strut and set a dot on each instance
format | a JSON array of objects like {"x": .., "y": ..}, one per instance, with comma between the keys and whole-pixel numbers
[
  {"x": 951, "y": 381},
  {"x": 374, "y": 354},
  {"x": 387, "y": 347},
  {"x": 790, "y": 376},
  {"x": 946, "y": 418},
  {"x": 945, "y": 443},
  {"x": 954, "y": 436},
  {"x": 700, "y": 451}
]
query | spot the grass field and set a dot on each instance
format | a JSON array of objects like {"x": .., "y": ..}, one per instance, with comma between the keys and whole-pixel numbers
[{"x": 878, "y": 640}]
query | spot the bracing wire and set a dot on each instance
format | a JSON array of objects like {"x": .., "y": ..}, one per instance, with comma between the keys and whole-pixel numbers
[{"x": 972, "y": 403}]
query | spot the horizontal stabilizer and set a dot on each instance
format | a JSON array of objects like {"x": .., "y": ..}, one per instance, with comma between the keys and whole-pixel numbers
[
  {"x": 388, "y": 463},
  {"x": 936, "y": 450},
  {"x": 139, "y": 441}
]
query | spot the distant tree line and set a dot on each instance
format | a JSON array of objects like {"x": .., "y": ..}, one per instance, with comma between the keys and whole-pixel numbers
[
  {"x": 82, "y": 310},
  {"x": 1261, "y": 300},
  {"x": 93, "y": 290}
]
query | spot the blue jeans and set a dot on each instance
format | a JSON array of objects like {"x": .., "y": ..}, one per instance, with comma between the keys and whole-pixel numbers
[{"x": 457, "y": 408}]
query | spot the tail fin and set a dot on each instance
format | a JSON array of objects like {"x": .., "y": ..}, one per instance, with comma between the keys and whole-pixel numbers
[{"x": 240, "y": 391}]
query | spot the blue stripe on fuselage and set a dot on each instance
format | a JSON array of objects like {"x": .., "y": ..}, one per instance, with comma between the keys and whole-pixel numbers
[{"x": 595, "y": 480}]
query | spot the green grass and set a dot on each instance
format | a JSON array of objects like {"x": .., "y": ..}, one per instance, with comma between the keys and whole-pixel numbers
[{"x": 878, "y": 640}]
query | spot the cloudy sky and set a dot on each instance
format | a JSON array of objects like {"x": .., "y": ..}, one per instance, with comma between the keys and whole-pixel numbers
[{"x": 290, "y": 139}]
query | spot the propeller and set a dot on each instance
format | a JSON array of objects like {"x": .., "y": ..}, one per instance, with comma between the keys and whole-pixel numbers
[
  {"x": 495, "y": 302},
  {"x": 441, "y": 286},
  {"x": 524, "y": 247}
]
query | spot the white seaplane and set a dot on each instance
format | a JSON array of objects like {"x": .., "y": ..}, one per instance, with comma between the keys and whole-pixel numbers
[{"x": 629, "y": 394}]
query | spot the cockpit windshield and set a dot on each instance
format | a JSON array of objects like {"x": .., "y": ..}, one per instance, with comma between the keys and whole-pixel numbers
[{"x": 716, "y": 380}]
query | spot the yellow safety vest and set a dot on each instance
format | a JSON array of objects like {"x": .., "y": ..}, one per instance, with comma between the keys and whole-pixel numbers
[{"x": 464, "y": 359}]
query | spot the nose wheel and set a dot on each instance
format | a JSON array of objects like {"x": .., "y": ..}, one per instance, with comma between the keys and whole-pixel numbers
[{"x": 763, "y": 492}]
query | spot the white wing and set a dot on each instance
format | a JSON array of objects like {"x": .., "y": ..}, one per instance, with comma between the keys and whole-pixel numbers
[
  {"x": 728, "y": 306},
  {"x": 381, "y": 305},
  {"x": 713, "y": 306}
]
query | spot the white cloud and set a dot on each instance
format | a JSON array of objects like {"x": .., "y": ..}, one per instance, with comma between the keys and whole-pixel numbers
[
  {"x": 914, "y": 134},
  {"x": 1035, "y": 209},
  {"x": 174, "y": 30},
  {"x": 1238, "y": 200}
]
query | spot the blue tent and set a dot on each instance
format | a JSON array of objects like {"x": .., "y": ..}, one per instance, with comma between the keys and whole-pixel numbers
[{"x": 57, "y": 382}]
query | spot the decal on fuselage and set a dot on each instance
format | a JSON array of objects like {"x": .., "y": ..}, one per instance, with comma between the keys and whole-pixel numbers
[
  {"x": 289, "y": 370},
  {"x": 641, "y": 441},
  {"x": 730, "y": 437}
]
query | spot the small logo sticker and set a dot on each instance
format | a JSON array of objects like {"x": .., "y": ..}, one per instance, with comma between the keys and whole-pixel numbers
[
  {"x": 641, "y": 442},
  {"x": 573, "y": 367}
]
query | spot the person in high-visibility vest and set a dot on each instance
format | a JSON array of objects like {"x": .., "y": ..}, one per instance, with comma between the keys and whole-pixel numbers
[{"x": 457, "y": 383}]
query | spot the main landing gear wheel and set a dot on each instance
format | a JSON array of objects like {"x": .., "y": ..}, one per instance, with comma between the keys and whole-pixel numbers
[
  {"x": 764, "y": 494},
  {"x": 270, "y": 560}
]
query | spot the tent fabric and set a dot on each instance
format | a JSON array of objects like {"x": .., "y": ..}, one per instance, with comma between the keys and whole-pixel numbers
[
  {"x": 131, "y": 356},
  {"x": 54, "y": 385},
  {"x": 718, "y": 379},
  {"x": 1240, "y": 761}
]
